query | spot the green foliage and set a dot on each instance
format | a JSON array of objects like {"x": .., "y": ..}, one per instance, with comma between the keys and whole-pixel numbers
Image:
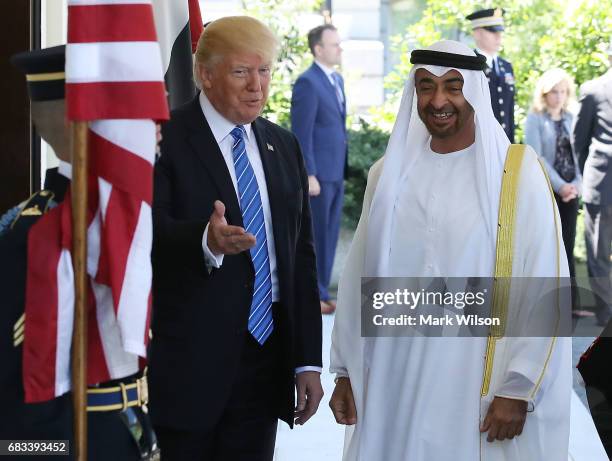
[
  {"x": 366, "y": 145},
  {"x": 570, "y": 35},
  {"x": 294, "y": 54},
  {"x": 540, "y": 34}
]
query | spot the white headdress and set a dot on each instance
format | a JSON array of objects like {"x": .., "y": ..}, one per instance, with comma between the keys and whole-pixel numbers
[{"x": 408, "y": 141}]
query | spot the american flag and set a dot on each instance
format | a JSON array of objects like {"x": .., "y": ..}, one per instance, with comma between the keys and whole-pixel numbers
[{"x": 114, "y": 80}]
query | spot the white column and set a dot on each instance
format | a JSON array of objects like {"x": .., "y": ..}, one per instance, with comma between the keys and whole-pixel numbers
[
  {"x": 215, "y": 9},
  {"x": 53, "y": 31},
  {"x": 359, "y": 24}
]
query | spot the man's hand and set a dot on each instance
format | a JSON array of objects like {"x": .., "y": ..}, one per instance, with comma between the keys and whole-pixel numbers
[
  {"x": 342, "y": 402},
  {"x": 314, "y": 188},
  {"x": 505, "y": 419},
  {"x": 309, "y": 394},
  {"x": 224, "y": 239},
  {"x": 568, "y": 192}
]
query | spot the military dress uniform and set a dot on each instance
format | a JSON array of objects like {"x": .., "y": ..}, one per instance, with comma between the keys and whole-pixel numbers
[
  {"x": 119, "y": 428},
  {"x": 48, "y": 420},
  {"x": 499, "y": 72},
  {"x": 115, "y": 432},
  {"x": 501, "y": 85}
]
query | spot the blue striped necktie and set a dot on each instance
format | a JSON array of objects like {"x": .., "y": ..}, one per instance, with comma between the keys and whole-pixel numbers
[
  {"x": 260, "y": 316},
  {"x": 338, "y": 88}
]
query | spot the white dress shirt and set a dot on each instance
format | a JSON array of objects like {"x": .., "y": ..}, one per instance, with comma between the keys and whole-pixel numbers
[
  {"x": 221, "y": 129},
  {"x": 490, "y": 58},
  {"x": 329, "y": 71}
]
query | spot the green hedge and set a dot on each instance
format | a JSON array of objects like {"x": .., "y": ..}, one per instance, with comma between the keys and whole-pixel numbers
[{"x": 367, "y": 143}]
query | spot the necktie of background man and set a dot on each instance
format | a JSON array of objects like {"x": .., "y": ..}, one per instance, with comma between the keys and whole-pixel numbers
[{"x": 338, "y": 88}]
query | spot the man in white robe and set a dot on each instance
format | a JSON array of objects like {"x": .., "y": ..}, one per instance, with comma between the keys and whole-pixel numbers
[{"x": 431, "y": 210}]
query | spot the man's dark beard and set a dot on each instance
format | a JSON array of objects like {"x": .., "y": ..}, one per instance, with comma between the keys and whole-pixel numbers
[{"x": 448, "y": 131}]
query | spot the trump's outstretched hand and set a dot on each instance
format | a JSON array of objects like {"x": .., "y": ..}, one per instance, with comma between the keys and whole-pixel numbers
[{"x": 224, "y": 239}]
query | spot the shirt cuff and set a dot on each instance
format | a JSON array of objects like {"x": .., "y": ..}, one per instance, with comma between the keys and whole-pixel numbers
[
  {"x": 212, "y": 261},
  {"x": 308, "y": 368},
  {"x": 341, "y": 374},
  {"x": 530, "y": 402}
]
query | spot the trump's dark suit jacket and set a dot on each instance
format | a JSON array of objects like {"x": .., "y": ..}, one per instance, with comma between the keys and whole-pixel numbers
[{"x": 200, "y": 318}]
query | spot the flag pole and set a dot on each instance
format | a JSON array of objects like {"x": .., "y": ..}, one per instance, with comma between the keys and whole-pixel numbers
[{"x": 79, "y": 263}]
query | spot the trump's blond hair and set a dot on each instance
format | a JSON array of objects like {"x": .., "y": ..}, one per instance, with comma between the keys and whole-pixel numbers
[{"x": 233, "y": 34}]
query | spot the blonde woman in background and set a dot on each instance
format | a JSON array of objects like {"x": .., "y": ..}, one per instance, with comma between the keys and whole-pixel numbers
[{"x": 547, "y": 130}]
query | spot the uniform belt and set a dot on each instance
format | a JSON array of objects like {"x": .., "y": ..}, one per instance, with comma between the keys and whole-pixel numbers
[{"x": 118, "y": 397}]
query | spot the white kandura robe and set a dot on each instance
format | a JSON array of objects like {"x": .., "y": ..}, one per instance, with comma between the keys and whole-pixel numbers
[{"x": 418, "y": 399}]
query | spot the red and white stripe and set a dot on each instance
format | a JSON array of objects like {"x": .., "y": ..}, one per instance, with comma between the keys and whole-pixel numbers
[{"x": 114, "y": 79}]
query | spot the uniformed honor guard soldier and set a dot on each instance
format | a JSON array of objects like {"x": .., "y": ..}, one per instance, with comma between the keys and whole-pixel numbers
[
  {"x": 487, "y": 29},
  {"x": 119, "y": 428}
]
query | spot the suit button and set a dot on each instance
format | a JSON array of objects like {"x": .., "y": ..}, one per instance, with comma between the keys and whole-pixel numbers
[
  {"x": 499, "y": 88},
  {"x": 501, "y": 101},
  {"x": 503, "y": 125},
  {"x": 502, "y": 113}
]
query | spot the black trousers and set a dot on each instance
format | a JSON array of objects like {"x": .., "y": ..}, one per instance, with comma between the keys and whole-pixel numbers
[
  {"x": 108, "y": 437},
  {"x": 246, "y": 430},
  {"x": 598, "y": 239},
  {"x": 568, "y": 212}
]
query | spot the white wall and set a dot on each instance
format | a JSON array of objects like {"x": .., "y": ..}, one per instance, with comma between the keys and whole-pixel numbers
[
  {"x": 215, "y": 9},
  {"x": 362, "y": 64},
  {"x": 359, "y": 24},
  {"x": 54, "y": 19}
]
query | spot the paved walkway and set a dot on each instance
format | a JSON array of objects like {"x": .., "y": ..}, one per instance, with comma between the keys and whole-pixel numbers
[{"x": 321, "y": 438}]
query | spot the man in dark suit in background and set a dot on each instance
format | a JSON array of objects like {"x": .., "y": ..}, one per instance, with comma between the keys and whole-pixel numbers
[
  {"x": 318, "y": 119},
  {"x": 593, "y": 145},
  {"x": 236, "y": 322},
  {"x": 487, "y": 29}
]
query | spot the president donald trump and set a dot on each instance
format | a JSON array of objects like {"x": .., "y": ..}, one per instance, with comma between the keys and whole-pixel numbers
[{"x": 236, "y": 318}]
